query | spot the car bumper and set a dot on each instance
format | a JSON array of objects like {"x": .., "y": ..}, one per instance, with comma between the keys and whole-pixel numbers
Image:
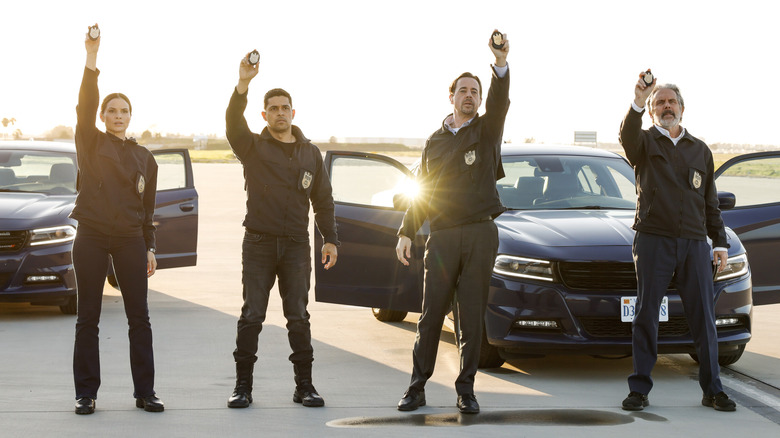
[
  {"x": 589, "y": 323},
  {"x": 18, "y": 272}
]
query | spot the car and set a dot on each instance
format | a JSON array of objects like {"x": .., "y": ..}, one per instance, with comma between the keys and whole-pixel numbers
[
  {"x": 37, "y": 193},
  {"x": 563, "y": 280}
]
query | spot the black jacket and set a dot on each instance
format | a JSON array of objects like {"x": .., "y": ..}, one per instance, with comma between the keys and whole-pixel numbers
[
  {"x": 281, "y": 179},
  {"x": 677, "y": 194},
  {"x": 117, "y": 179},
  {"x": 458, "y": 172}
]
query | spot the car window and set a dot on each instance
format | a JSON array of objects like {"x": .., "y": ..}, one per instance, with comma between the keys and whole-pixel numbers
[
  {"x": 378, "y": 181},
  {"x": 171, "y": 171},
  {"x": 553, "y": 182},
  {"x": 754, "y": 182},
  {"x": 42, "y": 172}
]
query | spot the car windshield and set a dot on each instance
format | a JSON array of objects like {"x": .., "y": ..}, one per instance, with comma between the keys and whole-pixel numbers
[
  {"x": 36, "y": 171},
  {"x": 566, "y": 182}
]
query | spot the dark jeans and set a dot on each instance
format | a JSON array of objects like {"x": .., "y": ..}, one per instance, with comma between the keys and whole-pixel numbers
[
  {"x": 657, "y": 258},
  {"x": 90, "y": 262},
  {"x": 265, "y": 257},
  {"x": 458, "y": 266}
]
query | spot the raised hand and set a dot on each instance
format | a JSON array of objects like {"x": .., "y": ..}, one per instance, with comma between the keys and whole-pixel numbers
[
  {"x": 642, "y": 90},
  {"x": 501, "y": 53},
  {"x": 246, "y": 72}
]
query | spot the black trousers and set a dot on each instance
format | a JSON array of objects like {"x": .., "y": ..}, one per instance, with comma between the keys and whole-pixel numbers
[
  {"x": 458, "y": 266},
  {"x": 657, "y": 258},
  {"x": 90, "y": 262},
  {"x": 265, "y": 257}
]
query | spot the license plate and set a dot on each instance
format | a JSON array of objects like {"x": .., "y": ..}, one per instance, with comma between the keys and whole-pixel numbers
[{"x": 628, "y": 309}]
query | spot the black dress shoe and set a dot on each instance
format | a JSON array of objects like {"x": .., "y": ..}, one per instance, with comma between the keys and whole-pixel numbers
[
  {"x": 720, "y": 401},
  {"x": 467, "y": 404},
  {"x": 241, "y": 398},
  {"x": 150, "y": 403},
  {"x": 85, "y": 406},
  {"x": 636, "y": 401},
  {"x": 308, "y": 396},
  {"x": 412, "y": 399}
]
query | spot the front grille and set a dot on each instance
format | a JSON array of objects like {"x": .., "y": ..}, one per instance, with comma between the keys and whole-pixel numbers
[
  {"x": 11, "y": 241},
  {"x": 600, "y": 276},
  {"x": 612, "y": 327}
]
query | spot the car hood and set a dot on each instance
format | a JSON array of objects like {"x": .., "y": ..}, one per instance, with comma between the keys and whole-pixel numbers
[
  {"x": 568, "y": 227},
  {"x": 576, "y": 235},
  {"x": 31, "y": 210}
]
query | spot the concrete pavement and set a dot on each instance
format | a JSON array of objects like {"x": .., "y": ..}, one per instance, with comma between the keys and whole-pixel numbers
[{"x": 361, "y": 368}]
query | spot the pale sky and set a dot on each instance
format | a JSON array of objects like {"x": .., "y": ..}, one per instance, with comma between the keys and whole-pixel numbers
[{"x": 382, "y": 69}]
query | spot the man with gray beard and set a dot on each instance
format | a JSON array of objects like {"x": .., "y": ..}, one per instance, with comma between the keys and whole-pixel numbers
[{"x": 676, "y": 211}]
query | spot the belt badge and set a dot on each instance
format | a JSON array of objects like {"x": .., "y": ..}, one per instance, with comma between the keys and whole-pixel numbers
[
  {"x": 696, "y": 179},
  {"x": 306, "y": 181},
  {"x": 470, "y": 157}
]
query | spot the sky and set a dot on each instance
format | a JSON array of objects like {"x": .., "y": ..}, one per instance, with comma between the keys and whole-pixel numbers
[{"x": 367, "y": 69}]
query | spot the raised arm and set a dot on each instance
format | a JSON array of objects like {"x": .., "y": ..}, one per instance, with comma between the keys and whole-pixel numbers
[
  {"x": 237, "y": 130},
  {"x": 88, "y": 97},
  {"x": 631, "y": 128}
]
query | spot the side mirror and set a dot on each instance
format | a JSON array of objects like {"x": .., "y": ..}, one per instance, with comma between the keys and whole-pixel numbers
[{"x": 726, "y": 200}]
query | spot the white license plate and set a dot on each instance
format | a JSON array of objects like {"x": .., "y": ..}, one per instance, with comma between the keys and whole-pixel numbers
[{"x": 628, "y": 309}]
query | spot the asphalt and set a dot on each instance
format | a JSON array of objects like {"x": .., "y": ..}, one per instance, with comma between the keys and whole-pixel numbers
[{"x": 361, "y": 368}]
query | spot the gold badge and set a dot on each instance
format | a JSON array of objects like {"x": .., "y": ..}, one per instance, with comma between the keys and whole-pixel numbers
[
  {"x": 306, "y": 181},
  {"x": 696, "y": 180},
  {"x": 141, "y": 184},
  {"x": 470, "y": 157}
]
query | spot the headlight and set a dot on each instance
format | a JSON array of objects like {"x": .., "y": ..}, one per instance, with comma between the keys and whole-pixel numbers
[
  {"x": 735, "y": 267},
  {"x": 48, "y": 236},
  {"x": 523, "y": 267}
]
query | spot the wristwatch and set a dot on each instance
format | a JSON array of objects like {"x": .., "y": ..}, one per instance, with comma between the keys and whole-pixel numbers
[{"x": 152, "y": 250}]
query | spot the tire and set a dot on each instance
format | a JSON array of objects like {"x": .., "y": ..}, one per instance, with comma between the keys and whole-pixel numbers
[
  {"x": 387, "y": 315},
  {"x": 112, "y": 281},
  {"x": 71, "y": 306},
  {"x": 489, "y": 356},
  {"x": 725, "y": 359}
]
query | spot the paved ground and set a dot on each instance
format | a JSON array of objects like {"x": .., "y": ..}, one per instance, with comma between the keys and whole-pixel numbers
[{"x": 361, "y": 368}]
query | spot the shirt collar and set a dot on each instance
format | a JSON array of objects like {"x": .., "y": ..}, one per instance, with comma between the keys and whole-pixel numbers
[
  {"x": 448, "y": 123},
  {"x": 669, "y": 136}
]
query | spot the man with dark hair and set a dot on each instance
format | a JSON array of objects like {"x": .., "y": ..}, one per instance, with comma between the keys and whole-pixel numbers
[
  {"x": 676, "y": 211},
  {"x": 284, "y": 174},
  {"x": 460, "y": 165}
]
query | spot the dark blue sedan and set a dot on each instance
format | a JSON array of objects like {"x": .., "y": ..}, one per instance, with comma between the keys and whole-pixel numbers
[
  {"x": 563, "y": 280},
  {"x": 37, "y": 193}
]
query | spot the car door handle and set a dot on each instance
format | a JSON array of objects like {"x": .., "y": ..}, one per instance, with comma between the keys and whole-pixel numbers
[{"x": 186, "y": 207}]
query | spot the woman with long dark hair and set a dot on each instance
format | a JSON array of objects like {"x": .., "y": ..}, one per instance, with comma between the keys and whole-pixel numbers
[{"x": 117, "y": 185}]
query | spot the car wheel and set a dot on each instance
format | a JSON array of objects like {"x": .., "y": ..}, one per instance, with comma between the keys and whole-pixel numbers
[
  {"x": 725, "y": 359},
  {"x": 489, "y": 356},
  {"x": 112, "y": 281},
  {"x": 71, "y": 306},
  {"x": 387, "y": 315}
]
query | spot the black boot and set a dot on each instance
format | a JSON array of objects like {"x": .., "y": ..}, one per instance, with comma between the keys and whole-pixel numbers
[
  {"x": 242, "y": 394},
  {"x": 304, "y": 389}
]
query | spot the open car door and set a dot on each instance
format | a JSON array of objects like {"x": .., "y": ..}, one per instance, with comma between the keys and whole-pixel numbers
[
  {"x": 176, "y": 213},
  {"x": 368, "y": 273},
  {"x": 755, "y": 181}
]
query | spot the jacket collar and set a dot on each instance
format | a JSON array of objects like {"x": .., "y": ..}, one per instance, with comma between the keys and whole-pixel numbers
[
  {"x": 110, "y": 152},
  {"x": 445, "y": 127},
  {"x": 296, "y": 132},
  {"x": 658, "y": 134}
]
